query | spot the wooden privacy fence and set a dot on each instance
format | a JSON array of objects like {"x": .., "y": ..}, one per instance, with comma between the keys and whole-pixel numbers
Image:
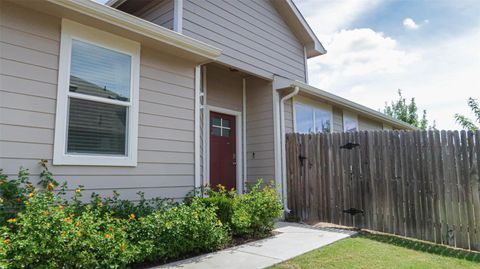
[{"x": 420, "y": 184}]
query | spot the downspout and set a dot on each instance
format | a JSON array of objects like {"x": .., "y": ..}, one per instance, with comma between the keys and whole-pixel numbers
[
  {"x": 204, "y": 124},
  {"x": 283, "y": 151},
  {"x": 198, "y": 85},
  {"x": 244, "y": 133}
]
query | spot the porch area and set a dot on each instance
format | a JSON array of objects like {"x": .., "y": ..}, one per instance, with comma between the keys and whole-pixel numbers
[{"x": 237, "y": 128}]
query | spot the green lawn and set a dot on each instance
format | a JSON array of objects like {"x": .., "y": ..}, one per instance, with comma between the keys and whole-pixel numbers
[{"x": 379, "y": 251}]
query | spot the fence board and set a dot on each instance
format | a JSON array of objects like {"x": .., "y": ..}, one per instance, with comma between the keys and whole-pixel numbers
[
  {"x": 475, "y": 190},
  {"x": 421, "y": 184}
]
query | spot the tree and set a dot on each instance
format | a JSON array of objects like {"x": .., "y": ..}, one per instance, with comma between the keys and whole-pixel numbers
[
  {"x": 407, "y": 112},
  {"x": 467, "y": 123}
]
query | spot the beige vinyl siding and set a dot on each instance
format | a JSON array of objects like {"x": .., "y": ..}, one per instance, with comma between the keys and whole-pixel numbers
[
  {"x": 251, "y": 34},
  {"x": 368, "y": 124},
  {"x": 289, "y": 116},
  {"x": 337, "y": 118},
  {"x": 260, "y": 132},
  {"x": 29, "y": 59},
  {"x": 224, "y": 88},
  {"x": 159, "y": 12}
]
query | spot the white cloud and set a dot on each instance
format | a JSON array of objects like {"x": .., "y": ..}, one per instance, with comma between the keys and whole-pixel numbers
[
  {"x": 410, "y": 24},
  {"x": 326, "y": 16},
  {"x": 356, "y": 54},
  {"x": 367, "y": 67}
]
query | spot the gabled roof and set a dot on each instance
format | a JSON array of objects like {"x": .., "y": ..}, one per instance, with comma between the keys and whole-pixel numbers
[
  {"x": 292, "y": 16},
  {"x": 289, "y": 12}
]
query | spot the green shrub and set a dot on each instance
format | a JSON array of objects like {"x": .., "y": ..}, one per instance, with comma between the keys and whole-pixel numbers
[
  {"x": 252, "y": 214},
  {"x": 125, "y": 208},
  {"x": 13, "y": 193},
  {"x": 48, "y": 234},
  {"x": 178, "y": 231},
  {"x": 222, "y": 202},
  {"x": 41, "y": 229},
  {"x": 255, "y": 212}
]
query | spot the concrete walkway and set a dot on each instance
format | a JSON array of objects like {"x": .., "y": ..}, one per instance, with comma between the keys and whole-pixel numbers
[{"x": 292, "y": 240}]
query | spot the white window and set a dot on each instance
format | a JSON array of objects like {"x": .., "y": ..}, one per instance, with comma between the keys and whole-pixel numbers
[
  {"x": 97, "y": 100},
  {"x": 312, "y": 117},
  {"x": 350, "y": 121}
]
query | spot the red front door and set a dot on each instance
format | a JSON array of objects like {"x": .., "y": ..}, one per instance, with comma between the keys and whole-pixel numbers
[{"x": 223, "y": 161}]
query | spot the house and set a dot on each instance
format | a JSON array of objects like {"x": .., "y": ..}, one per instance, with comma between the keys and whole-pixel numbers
[{"x": 161, "y": 96}]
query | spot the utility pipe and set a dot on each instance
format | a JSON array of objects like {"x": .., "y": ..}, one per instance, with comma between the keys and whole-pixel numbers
[
  {"x": 283, "y": 151},
  {"x": 198, "y": 85},
  {"x": 244, "y": 134}
]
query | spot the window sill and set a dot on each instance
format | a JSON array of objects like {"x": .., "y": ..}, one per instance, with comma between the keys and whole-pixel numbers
[{"x": 92, "y": 160}]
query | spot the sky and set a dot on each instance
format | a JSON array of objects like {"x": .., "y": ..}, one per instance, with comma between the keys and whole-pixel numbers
[{"x": 430, "y": 49}]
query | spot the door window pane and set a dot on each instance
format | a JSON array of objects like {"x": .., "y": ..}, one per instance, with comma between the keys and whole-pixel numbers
[
  {"x": 220, "y": 127},
  {"x": 216, "y": 131},
  {"x": 304, "y": 118},
  {"x": 99, "y": 71},
  {"x": 96, "y": 128},
  {"x": 217, "y": 121},
  {"x": 226, "y": 132}
]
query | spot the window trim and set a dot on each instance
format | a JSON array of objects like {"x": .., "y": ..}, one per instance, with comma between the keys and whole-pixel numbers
[
  {"x": 352, "y": 116},
  {"x": 313, "y": 103},
  {"x": 73, "y": 30}
]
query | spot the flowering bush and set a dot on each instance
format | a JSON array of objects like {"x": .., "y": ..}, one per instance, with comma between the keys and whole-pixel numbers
[
  {"x": 178, "y": 231},
  {"x": 252, "y": 214},
  {"x": 42, "y": 229},
  {"x": 222, "y": 202},
  {"x": 49, "y": 234},
  {"x": 13, "y": 193},
  {"x": 255, "y": 212}
]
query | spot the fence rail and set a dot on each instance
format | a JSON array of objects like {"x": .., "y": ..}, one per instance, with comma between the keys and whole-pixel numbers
[{"x": 420, "y": 184}]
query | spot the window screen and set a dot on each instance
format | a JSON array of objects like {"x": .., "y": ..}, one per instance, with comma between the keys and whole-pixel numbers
[{"x": 96, "y": 126}]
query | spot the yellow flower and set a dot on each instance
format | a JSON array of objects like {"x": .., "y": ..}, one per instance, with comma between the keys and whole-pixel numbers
[
  {"x": 68, "y": 219},
  {"x": 78, "y": 190},
  {"x": 132, "y": 216},
  {"x": 12, "y": 220},
  {"x": 221, "y": 188},
  {"x": 79, "y": 234},
  {"x": 77, "y": 224},
  {"x": 6, "y": 241},
  {"x": 50, "y": 186},
  {"x": 108, "y": 236},
  {"x": 30, "y": 195}
]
